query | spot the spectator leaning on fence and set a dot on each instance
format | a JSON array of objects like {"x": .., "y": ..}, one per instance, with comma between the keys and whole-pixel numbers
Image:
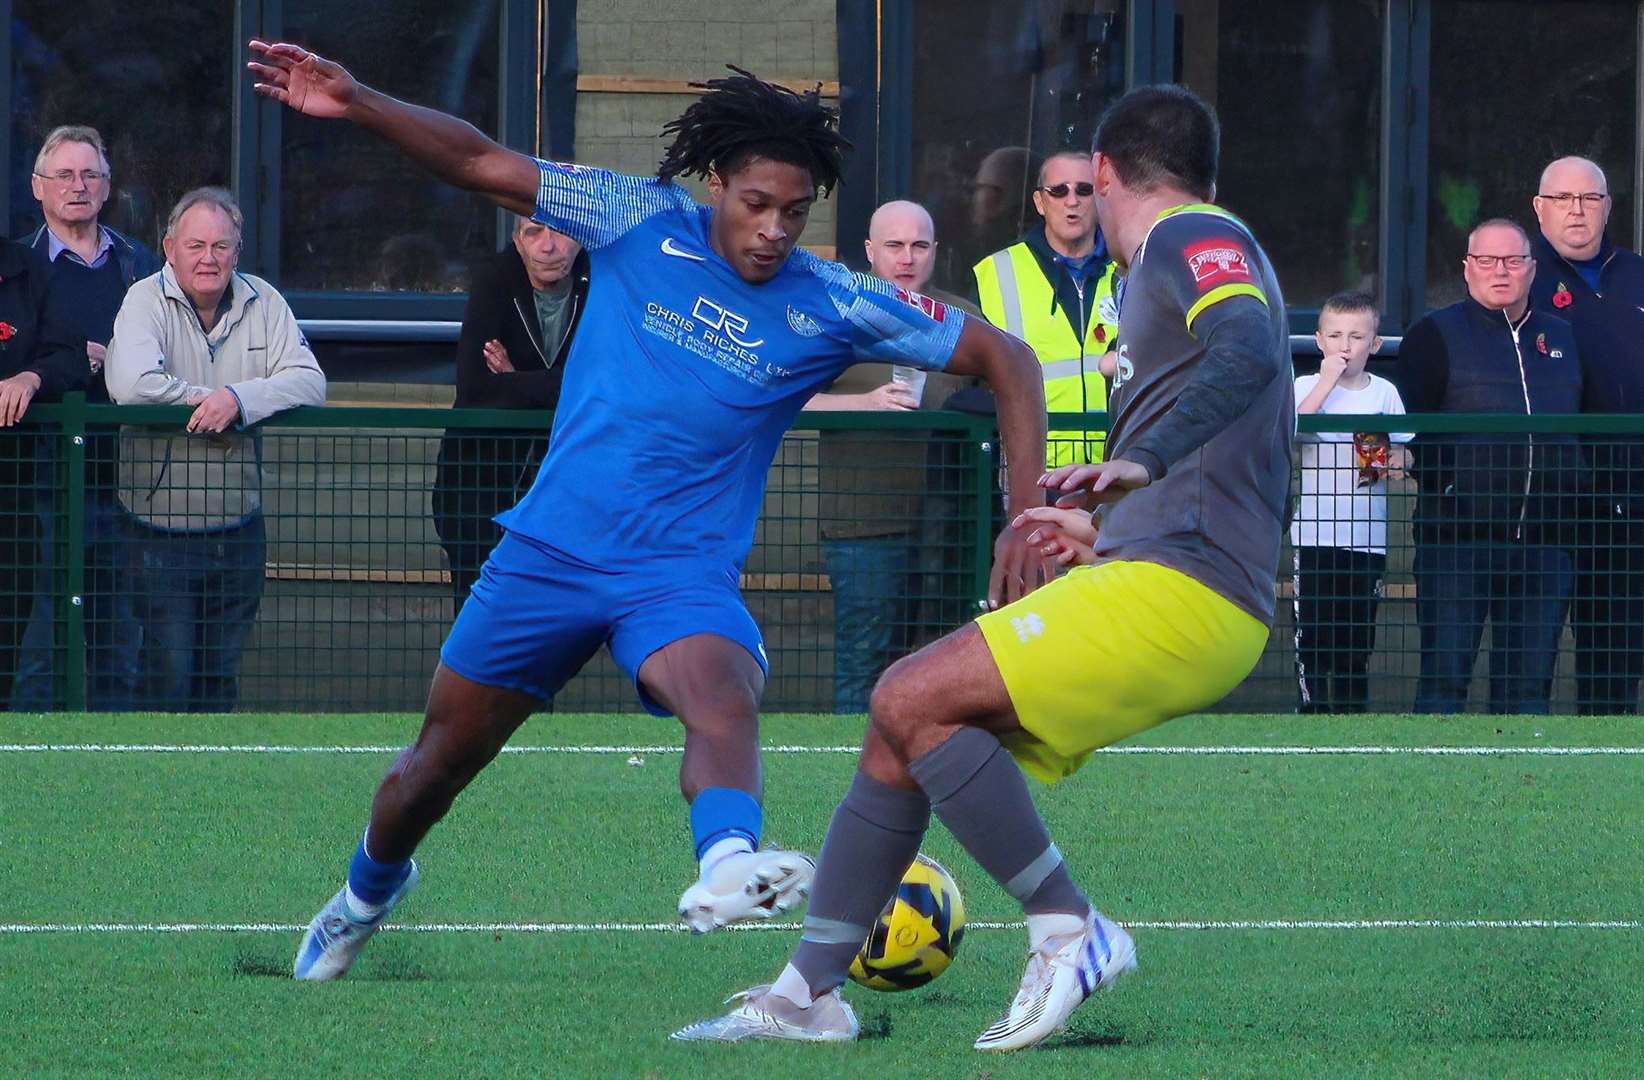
[
  {"x": 39, "y": 361},
  {"x": 1339, "y": 535},
  {"x": 872, "y": 481},
  {"x": 1599, "y": 288},
  {"x": 1495, "y": 513},
  {"x": 1054, "y": 290},
  {"x": 524, "y": 303},
  {"x": 92, "y": 266},
  {"x": 198, "y": 333}
]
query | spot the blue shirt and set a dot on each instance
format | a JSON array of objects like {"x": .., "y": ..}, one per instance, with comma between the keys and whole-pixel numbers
[
  {"x": 1589, "y": 269},
  {"x": 683, "y": 377},
  {"x": 105, "y": 244}
]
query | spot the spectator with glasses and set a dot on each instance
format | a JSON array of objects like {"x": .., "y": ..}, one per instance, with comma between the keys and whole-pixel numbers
[
  {"x": 1599, "y": 288},
  {"x": 1495, "y": 514},
  {"x": 91, "y": 266},
  {"x": 1054, "y": 290}
]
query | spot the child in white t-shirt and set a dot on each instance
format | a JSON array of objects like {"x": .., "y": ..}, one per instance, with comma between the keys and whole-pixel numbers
[{"x": 1339, "y": 535}]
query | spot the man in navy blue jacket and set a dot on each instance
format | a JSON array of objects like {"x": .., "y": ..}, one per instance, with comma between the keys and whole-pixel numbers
[
  {"x": 1599, "y": 287},
  {"x": 1495, "y": 514},
  {"x": 90, "y": 266}
]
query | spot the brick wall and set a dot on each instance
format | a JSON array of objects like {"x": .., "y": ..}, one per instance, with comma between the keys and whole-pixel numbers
[{"x": 690, "y": 40}]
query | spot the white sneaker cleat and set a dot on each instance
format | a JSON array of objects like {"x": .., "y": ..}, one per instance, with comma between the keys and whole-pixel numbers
[
  {"x": 746, "y": 886},
  {"x": 1059, "y": 977},
  {"x": 335, "y": 937},
  {"x": 764, "y": 1015}
]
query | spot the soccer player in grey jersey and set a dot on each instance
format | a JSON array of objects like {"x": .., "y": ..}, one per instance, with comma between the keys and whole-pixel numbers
[{"x": 1171, "y": 613}]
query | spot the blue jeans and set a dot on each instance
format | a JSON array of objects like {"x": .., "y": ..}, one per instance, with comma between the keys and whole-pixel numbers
[
  {"x": 113, "y": 637},
  {"x": 869, "y": 579},
  {"x": 196, "y": 596},
  {"x": 1523, "y": 591}
]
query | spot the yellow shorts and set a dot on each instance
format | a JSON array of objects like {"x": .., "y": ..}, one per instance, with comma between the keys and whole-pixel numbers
[{"x": 1106, "y": 651}]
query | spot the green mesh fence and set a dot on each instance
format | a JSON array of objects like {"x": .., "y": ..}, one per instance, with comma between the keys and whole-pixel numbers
[{"x": 317, "y": 563}]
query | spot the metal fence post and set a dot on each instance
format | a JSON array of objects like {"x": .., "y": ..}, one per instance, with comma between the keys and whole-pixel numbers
[
  {"x": 74, "y": 457},
  {"x": 984, "y": 438}
]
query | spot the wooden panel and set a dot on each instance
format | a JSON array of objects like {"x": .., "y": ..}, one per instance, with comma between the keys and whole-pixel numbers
[
  {"x": 282, "y": 571},
  {"x": 628, "y": 84}
]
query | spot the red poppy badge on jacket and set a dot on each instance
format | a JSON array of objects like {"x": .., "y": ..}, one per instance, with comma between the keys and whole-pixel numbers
[
  {"x": 1562, "y": 298},
  {"x": 7, "y": 331}
]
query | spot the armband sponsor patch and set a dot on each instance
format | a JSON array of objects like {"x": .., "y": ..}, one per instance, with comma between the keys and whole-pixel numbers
[
  {"x": 1217, "y": 262},
  {"x": 934, "y": 308}
]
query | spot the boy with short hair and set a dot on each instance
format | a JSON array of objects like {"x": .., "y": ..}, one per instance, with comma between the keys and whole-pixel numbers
[{"x": 1339, "y": 535}]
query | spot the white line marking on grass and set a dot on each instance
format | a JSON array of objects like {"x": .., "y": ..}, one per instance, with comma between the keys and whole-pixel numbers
[
  {"x": 676, "y": 928},
  {"x": 1190, "y": 751}
]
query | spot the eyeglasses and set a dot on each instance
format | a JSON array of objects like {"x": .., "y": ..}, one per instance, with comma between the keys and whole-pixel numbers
[
  {"x": 1590, "y": 200},
  {"x": 1059, "y": 191},
  {"x": 67, "y": 176},
  {"x": 1488, "y": 262}
]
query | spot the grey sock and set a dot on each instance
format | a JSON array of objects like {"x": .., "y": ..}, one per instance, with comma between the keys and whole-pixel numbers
[
  {"x": 979, "y": 793},
  {"x": 874, "y": 835}
]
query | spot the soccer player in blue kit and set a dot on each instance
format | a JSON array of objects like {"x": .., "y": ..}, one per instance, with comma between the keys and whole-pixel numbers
[{"x": 705, "y": 333}]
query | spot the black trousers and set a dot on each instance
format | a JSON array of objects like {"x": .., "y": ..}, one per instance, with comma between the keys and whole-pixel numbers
[
  {"x": 1607, "y": 618},
  {"x": 19, "y": 550},
  {"x": 1336, "y": 594}
]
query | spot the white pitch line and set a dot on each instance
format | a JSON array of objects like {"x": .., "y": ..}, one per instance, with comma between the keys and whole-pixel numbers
[
  {"x": 676, "y": 928},
  {"x": 1189, "y": 751}
]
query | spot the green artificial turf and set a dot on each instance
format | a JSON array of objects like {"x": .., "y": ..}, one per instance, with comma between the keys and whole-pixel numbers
[{"x": 241, "y": 838}]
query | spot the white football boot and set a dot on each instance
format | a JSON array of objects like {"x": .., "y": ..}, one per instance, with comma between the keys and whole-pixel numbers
[
  {"x": 761, "y": 1014},
  {"x": 746, "y": 886},
  {"x": 1059, "y": 977},
  {"x": 335, "y": 937}
]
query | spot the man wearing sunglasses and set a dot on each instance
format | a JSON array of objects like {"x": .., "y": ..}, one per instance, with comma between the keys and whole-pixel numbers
[
  {"x": 1495, "y": 514},
  {"x": 1054, "y": 290},
  {"x": 1599, "y": 288}
]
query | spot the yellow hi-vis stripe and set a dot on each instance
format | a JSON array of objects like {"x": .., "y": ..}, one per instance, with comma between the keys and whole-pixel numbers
[{"x": 1217, "y": 295}]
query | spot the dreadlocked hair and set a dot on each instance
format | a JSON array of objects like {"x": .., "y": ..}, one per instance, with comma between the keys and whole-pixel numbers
[{"x": 742, "y": 117}]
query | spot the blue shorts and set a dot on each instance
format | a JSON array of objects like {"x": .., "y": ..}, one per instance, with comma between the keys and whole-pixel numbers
[{"x": 533, "y": 619}]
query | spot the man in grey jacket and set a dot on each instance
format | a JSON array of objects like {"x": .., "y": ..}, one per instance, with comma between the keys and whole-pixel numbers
[{"x": 198, "y": 333}]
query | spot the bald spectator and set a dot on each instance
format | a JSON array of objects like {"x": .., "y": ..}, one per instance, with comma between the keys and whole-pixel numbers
[
  {"x": 1599, "y": 288},
  {"x": 1054, "y": 290},
  {"x": 872, "y": 481}
]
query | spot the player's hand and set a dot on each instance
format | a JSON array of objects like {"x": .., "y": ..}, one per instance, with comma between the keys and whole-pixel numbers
[
  {"x": 1108, "y": 365},
  {"x": 305, "y": 81},
  {"x": 15, "y": 395},
  {"x": 497, "y": 360},
  {"x": 893, "y": 396},
  {"x": 1332, "y": 366},
  {"x": 214, "y": 412},
  {"x": 1094, "y": 485},
  {"x": 1067, "y": 536},
  {"x": 95, "y": 355},
  {"x": 1018, "y": 569}
]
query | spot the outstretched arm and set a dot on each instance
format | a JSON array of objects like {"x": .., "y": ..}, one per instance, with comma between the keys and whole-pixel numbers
[
  {"x": 452, "y": 149},
  {"x": 1012, "y": 373}
]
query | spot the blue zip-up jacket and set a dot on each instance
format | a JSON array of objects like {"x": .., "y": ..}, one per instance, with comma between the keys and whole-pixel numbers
[
  {"x": 1609, "y": 328},
  {"x": 136, "y": 262},
  {"x": 1493, "y": 488}
]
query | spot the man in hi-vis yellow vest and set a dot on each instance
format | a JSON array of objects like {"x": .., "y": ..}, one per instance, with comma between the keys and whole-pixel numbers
[{"x": 1054, "y": 290}]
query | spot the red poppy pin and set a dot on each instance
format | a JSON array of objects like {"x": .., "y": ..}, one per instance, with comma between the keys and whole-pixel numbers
[
  {"x": 1101, "y": 333},
  {"x": 7, "y": 331},
  {"x": 1562, "y": 298}
]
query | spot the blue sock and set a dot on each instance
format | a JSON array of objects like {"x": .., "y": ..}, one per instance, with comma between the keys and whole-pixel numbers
[
  {"x": 719, "y": 813},
  {"x": 373, "y": 881}
]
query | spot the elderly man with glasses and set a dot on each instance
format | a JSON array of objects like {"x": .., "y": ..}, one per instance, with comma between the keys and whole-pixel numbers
[
  {"x": 1495, "y": 514},
  {"x": 1599, "y": 288},
  {"x": 90, "y": 266},
  {"x": 1054, "y": 290}
]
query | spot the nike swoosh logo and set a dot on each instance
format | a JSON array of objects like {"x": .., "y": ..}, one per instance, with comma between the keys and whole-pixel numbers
[{"x": 668, "y": 248}]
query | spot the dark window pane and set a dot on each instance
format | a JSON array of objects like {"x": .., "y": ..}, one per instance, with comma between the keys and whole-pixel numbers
[
  {"x": 1297, "y": 87},
  {"x": 996, "y": 87},
  {"x": 1531, "y": 82},
  {"x": 153, "y": 79},
  {"x": 355, "y": 213}
]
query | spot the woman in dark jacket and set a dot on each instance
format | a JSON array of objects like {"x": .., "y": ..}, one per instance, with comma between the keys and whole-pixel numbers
[
  {"x": 39, "y": 362},
  {"x": 505, "y": 360}
]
